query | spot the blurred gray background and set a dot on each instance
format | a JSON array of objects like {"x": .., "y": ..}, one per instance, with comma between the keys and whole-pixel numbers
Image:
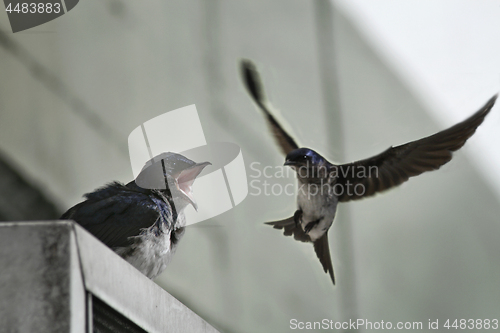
[{"x": 349, "y": 78}]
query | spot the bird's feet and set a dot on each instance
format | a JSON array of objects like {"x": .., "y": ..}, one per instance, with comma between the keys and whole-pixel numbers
[
  {"x": 310, "y": 225},
  {"x": 297, "y": 217}
]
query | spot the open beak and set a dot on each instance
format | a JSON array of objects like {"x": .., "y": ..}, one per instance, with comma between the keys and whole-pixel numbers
[{"x": 185, "y": 180}]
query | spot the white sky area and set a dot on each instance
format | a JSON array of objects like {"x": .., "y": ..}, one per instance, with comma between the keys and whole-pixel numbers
[{"x": 448, "y": 53}]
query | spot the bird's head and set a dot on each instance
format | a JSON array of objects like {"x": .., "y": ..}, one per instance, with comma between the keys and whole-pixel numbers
[
  {"x": 306, "y": 162},
  {"x": 172, "y": 173},
  {"x": 303, "y": 157},
  {"x": 181, "y": 173}
]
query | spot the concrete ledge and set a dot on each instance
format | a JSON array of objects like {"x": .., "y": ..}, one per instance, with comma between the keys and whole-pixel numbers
[{"x": 48, "y": 269}]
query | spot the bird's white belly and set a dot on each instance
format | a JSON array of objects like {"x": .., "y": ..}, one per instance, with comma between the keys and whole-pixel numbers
[
  {"x": 316, "y": 205},
  {"x": 151, "y": 253}
]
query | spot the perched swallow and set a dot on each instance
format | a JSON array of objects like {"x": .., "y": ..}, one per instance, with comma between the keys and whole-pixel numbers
[
  {"x": 142, "y": 225},
  {"x": 322, "y": 185}
]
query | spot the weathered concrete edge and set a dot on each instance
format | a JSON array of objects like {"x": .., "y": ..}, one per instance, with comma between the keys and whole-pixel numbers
[
  {"x": 112, "y": 279},
  {"x": 128, "y": 291}
]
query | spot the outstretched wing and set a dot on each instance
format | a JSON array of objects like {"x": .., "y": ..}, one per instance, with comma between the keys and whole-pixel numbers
[
  {"x": 395, "y": 165},
  {"x": 115, "y": 213},
  {"x": 253, "y": 84}
]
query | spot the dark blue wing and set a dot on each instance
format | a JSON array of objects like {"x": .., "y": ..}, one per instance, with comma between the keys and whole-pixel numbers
[
  {"x": 117, "y": 212},
  {"x": 397, "y": 164},
  {"x": 252, "y": 82}
]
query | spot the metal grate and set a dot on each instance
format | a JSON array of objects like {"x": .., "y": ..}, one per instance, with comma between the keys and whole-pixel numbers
[{"x": 107, "y": 320}]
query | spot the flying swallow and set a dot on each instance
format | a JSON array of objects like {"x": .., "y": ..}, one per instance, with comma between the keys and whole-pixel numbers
[
  {"x": 322, "y": 185},
  {"x": 144, "y": 220}
]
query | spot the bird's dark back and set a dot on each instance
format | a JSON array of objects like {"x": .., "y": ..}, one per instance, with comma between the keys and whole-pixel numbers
[{"x": 116, "y": 212}]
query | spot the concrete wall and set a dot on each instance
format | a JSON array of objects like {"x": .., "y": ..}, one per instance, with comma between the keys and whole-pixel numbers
[
  {"x": 49, "y": 268},
  {"x": 73, "y": 89}
]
